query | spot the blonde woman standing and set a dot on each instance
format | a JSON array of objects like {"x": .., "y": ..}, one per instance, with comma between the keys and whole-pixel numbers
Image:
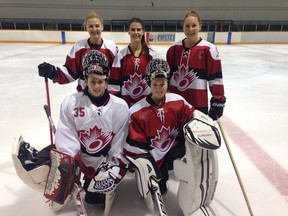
[{"x": 72, "y": 69}]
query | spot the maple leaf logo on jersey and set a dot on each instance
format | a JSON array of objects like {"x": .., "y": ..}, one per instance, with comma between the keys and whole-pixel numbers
[
  {"x": 183, "y": 78},
  {"x": 164, "y": 139},
  {"x": 94, "y": 140},
  {"x": 135, "y": 86}
]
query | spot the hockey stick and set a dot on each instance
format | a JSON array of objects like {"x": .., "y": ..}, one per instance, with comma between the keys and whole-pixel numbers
[
  {"x": 48, "y": 109},
  {"x": 236, "y": 170},
  {"x": 76, "y": 189}
]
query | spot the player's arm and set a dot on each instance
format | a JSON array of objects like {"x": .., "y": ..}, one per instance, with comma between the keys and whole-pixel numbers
[
  {"x": 115, "y": 79},
  {"x": 216, "y": 86},
  {"x": 136, "y": 143},
  {"x": 66, "y": 137}
]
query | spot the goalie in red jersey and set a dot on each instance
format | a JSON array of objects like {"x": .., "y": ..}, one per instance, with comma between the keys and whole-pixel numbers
[{"x": 167, "y": 133}]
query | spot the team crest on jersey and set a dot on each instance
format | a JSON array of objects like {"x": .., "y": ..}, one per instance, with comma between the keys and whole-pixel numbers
[
  {"x": 136, "y": 86},
  {"x": 183, "y": 79},
  {"x": 95, "y": 139},
  {"x": 164, "y": 139},
  {"x": 201, "y": 54}
]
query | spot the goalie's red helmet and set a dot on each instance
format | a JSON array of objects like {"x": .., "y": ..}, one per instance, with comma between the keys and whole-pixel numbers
[
  {"x": 158, "y": 68},
  {"x": 95, "y": 62}
]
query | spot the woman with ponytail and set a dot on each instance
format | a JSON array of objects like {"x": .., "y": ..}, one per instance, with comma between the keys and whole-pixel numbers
[{"x": 128, "y": 74}]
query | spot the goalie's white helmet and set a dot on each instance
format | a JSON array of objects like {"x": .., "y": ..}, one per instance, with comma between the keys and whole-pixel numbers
[
  {"x": 95, "y": 62},
  {"x": 158, "y": 68}
]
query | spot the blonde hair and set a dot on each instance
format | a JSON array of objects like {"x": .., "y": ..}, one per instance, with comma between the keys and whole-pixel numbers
[
  {"x": 194, "y": 14},
  {"x": 92, "y": 15}
]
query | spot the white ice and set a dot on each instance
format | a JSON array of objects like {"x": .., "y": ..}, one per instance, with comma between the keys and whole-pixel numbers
[{"x": 255, "y": 122}]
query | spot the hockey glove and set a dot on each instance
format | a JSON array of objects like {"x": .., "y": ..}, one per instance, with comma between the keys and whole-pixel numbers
[
  {"x": 47, "y": 70},
  {"x": 216, "y": 108},
  {"x": 106, "y": 179}
]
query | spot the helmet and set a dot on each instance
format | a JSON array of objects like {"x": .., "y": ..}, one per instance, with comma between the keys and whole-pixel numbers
[
  {"x": 95, "y": 62},
  {"x": 157, "y": 68}
]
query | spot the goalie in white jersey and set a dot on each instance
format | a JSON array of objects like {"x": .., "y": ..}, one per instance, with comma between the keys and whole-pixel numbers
[{"x": 91, "y": 131}]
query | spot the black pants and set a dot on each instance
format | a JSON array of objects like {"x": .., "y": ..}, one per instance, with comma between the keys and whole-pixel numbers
[
  {"x": 90, "y": 197},
  {"x": 173, "y": 154}
]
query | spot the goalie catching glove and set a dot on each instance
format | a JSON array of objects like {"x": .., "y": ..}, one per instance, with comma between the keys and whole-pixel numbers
[
  {"x": 106, "y": 179},
  {"x": 200, "y": 131}
]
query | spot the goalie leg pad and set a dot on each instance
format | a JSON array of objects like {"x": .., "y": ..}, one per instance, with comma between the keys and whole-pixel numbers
[
  {"x": 146, "y": 170},
  {"x": 205, "y": 211},
  {"x": 65, "y": 170},
  {"x": 29, "y": 171},
  {"x": 198, "y": 174},
  {"x": 109, "y": 198}
]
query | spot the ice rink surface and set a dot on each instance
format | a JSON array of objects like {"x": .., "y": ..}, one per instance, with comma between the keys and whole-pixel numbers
[{"x": 255, "y": 122}]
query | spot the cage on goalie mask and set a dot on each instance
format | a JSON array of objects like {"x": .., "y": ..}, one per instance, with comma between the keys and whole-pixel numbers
[
  {"x": 95, "y": 62},
  {"x": 157, "y": 68}
]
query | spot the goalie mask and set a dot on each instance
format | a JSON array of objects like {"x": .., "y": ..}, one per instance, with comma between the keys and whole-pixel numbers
[
  {"x": 157, "y": 68},
  {"x": 95, "y": 62}
]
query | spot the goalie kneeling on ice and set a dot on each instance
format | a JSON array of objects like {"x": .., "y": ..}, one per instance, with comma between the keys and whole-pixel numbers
[{"x": 200, "y": 131}]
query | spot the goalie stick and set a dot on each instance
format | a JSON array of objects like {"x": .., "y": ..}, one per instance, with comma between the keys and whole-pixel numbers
[
  {"x": 76, "y": 191},
  {"x": 158, "y": 198},
  {"x": 48, "y": 108},
  {"x": 79, "y": 200},
  {"x": 235, "y": 169},
  {"x": 48, "y": 114}
]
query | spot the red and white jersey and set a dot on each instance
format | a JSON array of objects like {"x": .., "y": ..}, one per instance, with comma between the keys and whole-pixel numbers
[
  {"x": 95, "y": 131},
  {"x": 156, "y": 130},
  {"x": 193, "y": 70},
  {"x": 128, "y": 73},
  {"x": 72, "y": 69}
]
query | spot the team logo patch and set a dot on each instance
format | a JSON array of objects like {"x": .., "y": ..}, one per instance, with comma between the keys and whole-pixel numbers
[
  {"x": 95, "y": 139},
  {"x": 183, "y": 79},
  {"x": 136, "y": 86},
  {"x": 95, "y": 68},
  {"x": 164, "y": 139}
]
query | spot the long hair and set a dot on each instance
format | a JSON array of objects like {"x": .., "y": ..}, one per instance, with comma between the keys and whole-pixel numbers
[{"x": 145, "y": 47}]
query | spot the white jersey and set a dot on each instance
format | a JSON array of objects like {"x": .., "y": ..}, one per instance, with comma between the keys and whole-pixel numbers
[{"x": 95, "y": 131}]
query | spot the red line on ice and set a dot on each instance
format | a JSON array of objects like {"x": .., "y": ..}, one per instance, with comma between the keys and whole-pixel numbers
[{"x": 274, "y": 172}]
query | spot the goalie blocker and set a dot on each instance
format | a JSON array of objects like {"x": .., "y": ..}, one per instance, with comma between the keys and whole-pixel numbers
[
  {"x": 54, "y": 176},
  {"x": 198, "y": 169}
]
